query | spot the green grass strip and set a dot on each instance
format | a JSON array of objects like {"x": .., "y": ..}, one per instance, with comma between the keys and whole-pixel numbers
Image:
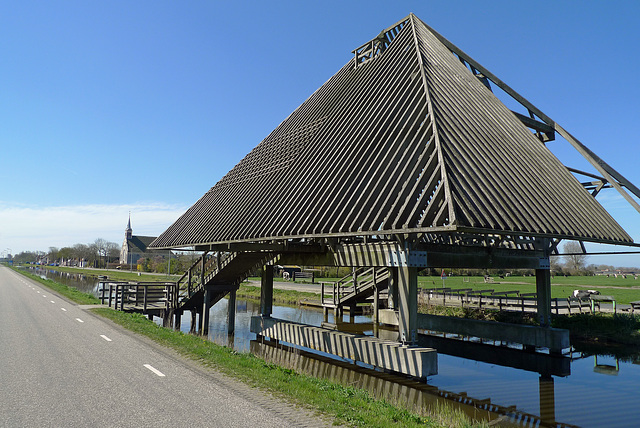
[
  {"x": 347, "y": 405},
  {"x": 290, "y": 297},
  {"x": 70, "y": 293}
]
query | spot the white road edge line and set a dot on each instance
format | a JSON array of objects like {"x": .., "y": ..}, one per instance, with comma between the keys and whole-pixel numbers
[
  {"x": 153, "y": 369},
  {"x": 105, "y": 338},
  {"x": 79, "y": 320}
]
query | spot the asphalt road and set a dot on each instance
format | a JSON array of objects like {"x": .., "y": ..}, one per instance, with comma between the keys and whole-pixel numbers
[{"x": 60, "y": 365}]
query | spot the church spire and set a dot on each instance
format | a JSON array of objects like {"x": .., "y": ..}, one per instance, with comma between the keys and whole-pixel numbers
[{"x": 128, "y": 231}]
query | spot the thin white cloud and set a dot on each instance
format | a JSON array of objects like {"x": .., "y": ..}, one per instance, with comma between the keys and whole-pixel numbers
[{"x": 28, "y": 228}]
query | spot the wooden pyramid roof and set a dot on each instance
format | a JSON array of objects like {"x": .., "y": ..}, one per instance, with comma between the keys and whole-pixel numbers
[{"x": 402, "y": 139}]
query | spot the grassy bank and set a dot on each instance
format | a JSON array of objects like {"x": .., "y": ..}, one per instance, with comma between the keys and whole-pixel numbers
[
  {"x": 602, "y": 329},
  {"x": 287, "y": 297}
]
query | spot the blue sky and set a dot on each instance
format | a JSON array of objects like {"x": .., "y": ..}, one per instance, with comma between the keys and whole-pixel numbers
[{"x": 111, "y": 107}]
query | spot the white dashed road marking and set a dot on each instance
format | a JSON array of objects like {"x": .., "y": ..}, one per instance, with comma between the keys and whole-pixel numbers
[
  {"x": 153, "y": 369},
  {"x": 105, "y": 338},
  {"x": 64, "y": 309},
  {"x": 51, "y": 301},
  {"x": 79, "y": 320}
]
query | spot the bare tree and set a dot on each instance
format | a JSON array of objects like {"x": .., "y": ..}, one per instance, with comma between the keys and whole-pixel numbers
[
  {"x": 575, "y": 261},
  {"x": 103, "y": 249},
  {"x": 556, "y": 265}
]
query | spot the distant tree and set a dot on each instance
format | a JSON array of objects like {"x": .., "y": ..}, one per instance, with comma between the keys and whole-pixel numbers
[
  {"x": 25, "y": 256},
  {"x": 112, "y": 251},
  {"x": 556, "y": 265},
  {"x": 575, "y": 261},
  {"x": 81, "y": 252},
  {"x": 65, "y": 253},
  {"x": 52, "y": 254},
  {"x": 103, "y": 249}
]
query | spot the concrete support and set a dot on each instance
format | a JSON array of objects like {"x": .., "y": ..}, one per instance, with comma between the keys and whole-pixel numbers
[
  {"x": 393, "y": 289},
  {"x": 266, "y": 291},
  {"x": 232, "y": 312},
  {"x": 387, "y": 355},
  {"x": 543, "y": 291},
  {"x": 408, "y": 303},
  {"x": 204, "y": 318}
]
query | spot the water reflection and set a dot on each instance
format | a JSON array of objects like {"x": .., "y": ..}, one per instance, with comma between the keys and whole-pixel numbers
[{"x": 84, "y": 283}]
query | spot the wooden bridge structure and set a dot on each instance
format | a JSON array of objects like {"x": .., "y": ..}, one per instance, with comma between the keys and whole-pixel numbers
[{"x": 412, "y": 161}]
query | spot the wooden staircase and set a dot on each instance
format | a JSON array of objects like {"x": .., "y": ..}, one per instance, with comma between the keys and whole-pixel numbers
[
  {"x": 355, "y": 288},
  {"x": 217, "y": 272}
]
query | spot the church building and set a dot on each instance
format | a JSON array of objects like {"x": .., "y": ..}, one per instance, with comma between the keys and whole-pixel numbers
[{"x": 134, "y": 247}]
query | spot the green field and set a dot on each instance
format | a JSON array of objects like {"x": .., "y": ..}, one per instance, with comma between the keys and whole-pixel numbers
[{"x": 623, "y": 290}]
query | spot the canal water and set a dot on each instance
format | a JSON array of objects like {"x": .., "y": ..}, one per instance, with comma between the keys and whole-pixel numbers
[{"x": 499, "y": 384}]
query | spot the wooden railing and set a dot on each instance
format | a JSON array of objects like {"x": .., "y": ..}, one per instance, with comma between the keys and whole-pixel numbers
[
  {"x": 506, "y": 300},
  {"x": 198, "y": 274},
  {"x": 360, "y": 280},
  {"x": 137, "y": 296}
]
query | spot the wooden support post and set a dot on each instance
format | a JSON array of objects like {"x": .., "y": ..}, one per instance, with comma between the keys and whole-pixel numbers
[
  {"x": 232, "y": 312},
  {"x": 110, "y": 293},
  {"x": 202, "y": 269},
  {"x": 376, "y": 302},
  {"x": 543, "y": 291},
  {"x": 194, "y": 321},
  {"x": 408, "y": 303},
  {"x": 352, "y": 312},
  {"x": 144, "y": 303},
  {"x": 167, "y": 318},
  {"x": 393, "y": 289},
  {"x": 266, "y": 291},
  {"x": 204, "y": 318},
  {"x": 177, "y": 320}
]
